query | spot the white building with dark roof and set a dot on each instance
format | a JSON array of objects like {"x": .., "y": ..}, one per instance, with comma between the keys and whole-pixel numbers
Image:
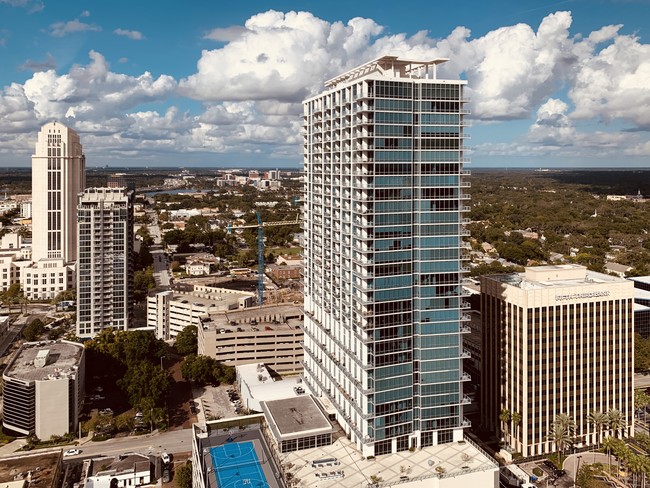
[{"x": 43, "y": 388}]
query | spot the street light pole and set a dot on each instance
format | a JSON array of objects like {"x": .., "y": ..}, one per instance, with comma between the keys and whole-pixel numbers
[{"x": 575, "y": 476}]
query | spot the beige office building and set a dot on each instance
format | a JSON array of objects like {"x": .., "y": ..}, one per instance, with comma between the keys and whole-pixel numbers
[
  {"x": 43, "y": 388},
  {"x": 58, "y": 176},
  {"x": 556, "y": 340}
]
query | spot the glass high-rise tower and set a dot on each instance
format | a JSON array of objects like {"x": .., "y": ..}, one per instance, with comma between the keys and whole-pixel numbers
[{"x": 384, "y": 253}]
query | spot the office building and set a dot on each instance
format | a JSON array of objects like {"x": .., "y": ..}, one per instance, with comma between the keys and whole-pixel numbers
[
  {"x": 556, "y": 340},
  {"x": 43, "y": 389},
  {"x": 383, "y": 229},
  {"x": 105, "y": 260},
  {"x": 58, "y": 175}
]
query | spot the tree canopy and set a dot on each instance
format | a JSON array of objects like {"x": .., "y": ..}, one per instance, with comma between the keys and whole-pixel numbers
[
  {"x": 133, "y": 355},
  {"x": 187, "y": 340},
  {"x": 204, "y": 370}
]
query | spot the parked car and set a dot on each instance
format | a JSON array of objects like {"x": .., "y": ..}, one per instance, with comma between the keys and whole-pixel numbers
[
  {"x": 165, "y": 458},
  {"x": 166, "y": 475},
  {"x": 72, "y": 452}
]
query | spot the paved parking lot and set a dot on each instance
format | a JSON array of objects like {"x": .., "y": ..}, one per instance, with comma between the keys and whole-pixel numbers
[{"x": 214, "y": 402}]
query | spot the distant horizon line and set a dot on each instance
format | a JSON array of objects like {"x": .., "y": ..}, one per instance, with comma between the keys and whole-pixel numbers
[{"x": 298, "y": 169}]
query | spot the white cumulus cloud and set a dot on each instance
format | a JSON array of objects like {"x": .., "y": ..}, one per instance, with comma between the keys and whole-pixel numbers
[
  {"x": 61, "y": 29},
  {"x": 279, "y": 56},
  {"x": 131, "y": 34}
]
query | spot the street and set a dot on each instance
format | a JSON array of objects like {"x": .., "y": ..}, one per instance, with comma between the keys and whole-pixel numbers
[{"x": 177, "y": 441}]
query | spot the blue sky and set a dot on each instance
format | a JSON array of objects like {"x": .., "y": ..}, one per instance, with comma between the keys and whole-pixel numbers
[{"x": 206, "y": 83}]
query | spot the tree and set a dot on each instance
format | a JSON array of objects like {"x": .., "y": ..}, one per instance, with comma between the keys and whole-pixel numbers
[
  {"x": 34, "y": 330},
  {"x": 184, "y": 475},
  {"x": 641, "y": 401},
  {"x": 516, "y": 420},
  {"x": 143, "y": 281},
  {"x": 204, "y": 369},
  {"x": 641, "y": 353},
  {"x": 598, "y": 420},
  {"x": 145, "y": 380},
  {"x": 637, "y": 465},
  {"x": 585, "y": 477},
  {"x": 608, "y": 445},
  {"x": 505, "y": 417},
  {"x": 562, "y": 431},
  {"x": 615, "y": 420},
  {"x": 198, "y": 369},
  {"x": 12, "y": 296},
  {"x": 187, "y": 340}
]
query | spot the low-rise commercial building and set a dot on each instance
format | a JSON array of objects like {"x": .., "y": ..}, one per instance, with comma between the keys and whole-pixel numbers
[
  {"x": 43, "y": 388},
  {"x": 42, "y": 469},
  {"x": 126, "y": 471}
]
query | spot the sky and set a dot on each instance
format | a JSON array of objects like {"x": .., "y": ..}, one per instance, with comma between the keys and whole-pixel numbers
[{"x": 220, "y": 84}]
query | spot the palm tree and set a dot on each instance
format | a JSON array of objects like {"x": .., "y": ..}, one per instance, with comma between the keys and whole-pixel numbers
[
  {"x": 505, "y": 418},
  {"x": 635, "y": 465},
  {"x": 622, "y": 453},
  {"x": 641, "y": 401},
  {"x": 562, "y": 431},
  {"x": 598, "y": 420},
  {"x": 608, "y": 445},
  {"x": 615, "y": 420},
  {"x": 516, "y": 420}
]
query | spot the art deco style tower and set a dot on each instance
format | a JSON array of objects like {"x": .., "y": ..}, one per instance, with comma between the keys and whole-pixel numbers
[
  {"x": 58, "y": 176},
  {"x": 383, "y": 217},
  {"x": 105, "y": 262}
]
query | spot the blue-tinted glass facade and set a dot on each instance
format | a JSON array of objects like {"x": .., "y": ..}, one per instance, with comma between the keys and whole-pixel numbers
[{"x": 384, "y": 198}]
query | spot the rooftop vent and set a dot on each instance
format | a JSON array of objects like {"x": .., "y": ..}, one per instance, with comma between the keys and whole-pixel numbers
[{"x": 41, "y": 358}]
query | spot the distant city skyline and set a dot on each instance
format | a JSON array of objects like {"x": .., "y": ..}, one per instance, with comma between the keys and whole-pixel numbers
[{"x": 559, "y": 85}]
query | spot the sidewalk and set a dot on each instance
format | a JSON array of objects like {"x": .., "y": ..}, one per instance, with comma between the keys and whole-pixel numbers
[{"x": 14, "y": 447}]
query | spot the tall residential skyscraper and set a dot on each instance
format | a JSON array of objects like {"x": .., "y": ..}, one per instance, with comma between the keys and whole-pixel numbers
[
  {"x": 105, "y": 261},
  {"x": 557, "y": 340},
  {"x": 58, "y": 175},
  {"x": 384, "y": 200}
]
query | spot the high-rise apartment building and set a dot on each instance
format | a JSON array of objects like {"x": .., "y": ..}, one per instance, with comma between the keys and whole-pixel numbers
[
  {"x": 105, "y": 260},
  {"x": 383, "y": 223},
  {"x": 557, "y": 340},
  {"x": 58, "y": 175}
]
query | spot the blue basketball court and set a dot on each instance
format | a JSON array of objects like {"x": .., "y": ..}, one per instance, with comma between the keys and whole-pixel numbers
[{"x": 237, "y": 466}]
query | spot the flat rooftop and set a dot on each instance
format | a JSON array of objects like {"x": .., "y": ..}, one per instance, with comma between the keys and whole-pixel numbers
[
  {"x": 271, "y": 318},
  {"x": 641, "y": 279},
  {"x": 296, "y": 417},
  {"x": 556, "y": 276},
  {"x": 214, "y": 300},
  {"x": 43, "y": 467},
  {"x": 452, "y": 460},
  {"x": 120, "y": 465},
  {"x": 63, "y": 360}
]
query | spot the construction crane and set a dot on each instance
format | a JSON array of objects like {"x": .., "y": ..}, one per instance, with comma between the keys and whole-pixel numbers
[{"x": 260, "y": 247}]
